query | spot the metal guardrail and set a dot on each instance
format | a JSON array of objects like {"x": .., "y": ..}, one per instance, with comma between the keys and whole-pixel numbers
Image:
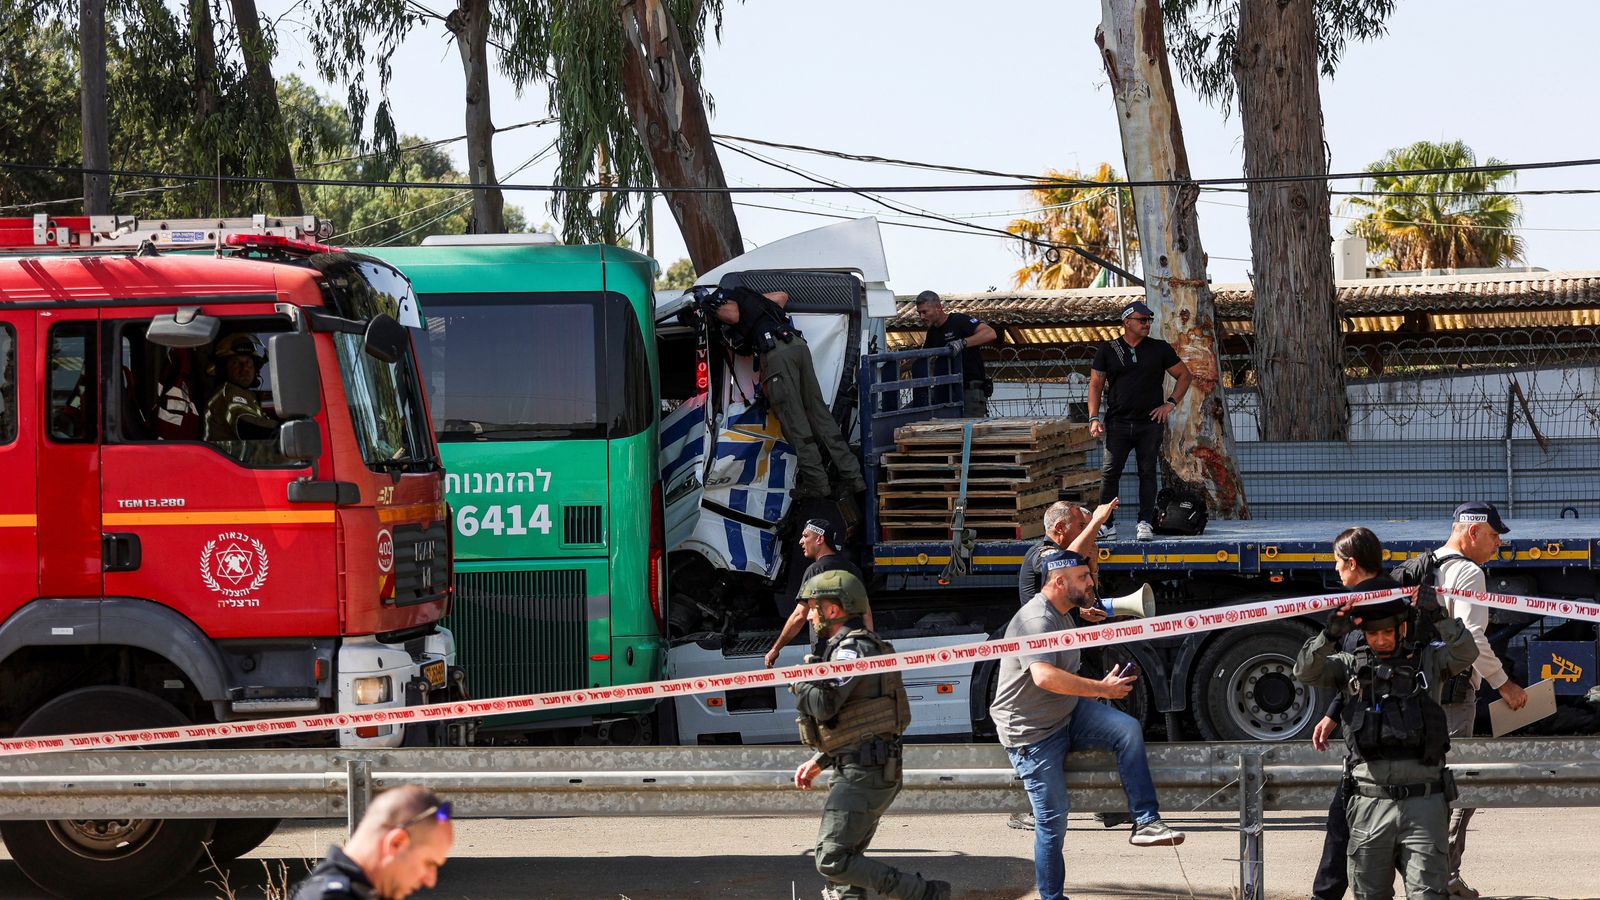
[{"x": 745, "y": 781}]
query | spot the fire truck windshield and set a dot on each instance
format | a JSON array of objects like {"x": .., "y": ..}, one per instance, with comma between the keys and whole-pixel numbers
[{"x": 385, "y": 398}]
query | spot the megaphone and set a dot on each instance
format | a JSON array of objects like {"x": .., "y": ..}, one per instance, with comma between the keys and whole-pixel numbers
[{"x": 1140, "y": 604}]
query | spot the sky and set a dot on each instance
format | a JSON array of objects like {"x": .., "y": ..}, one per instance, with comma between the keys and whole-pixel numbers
[{"x": 1017, "y": 86}]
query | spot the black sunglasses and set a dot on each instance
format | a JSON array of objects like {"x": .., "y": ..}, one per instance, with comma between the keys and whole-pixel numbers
[
  {"x": 1145, "y": 319},
  {"x": 438, "y": 813}
]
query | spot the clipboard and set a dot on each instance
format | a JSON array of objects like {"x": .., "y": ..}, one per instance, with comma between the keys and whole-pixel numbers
[{"x": 1541, "y": 703}]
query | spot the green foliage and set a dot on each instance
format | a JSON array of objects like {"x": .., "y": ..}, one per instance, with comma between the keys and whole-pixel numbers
[
  {"x": 155, "y": 119},
  {"x": 1084, "y": 217},
  {"x": 1443, "y": 221},
  {"x": 1202, "y": 36},
  {"x": 576, "y": 48},
  {"x": 678, "y": 277},
  {"x": 368, "y": 216}
]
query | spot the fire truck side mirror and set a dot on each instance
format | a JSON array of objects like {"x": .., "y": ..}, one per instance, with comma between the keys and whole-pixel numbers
[
  {"x": 386, "y": 339},
  {"x": 300, "y": 440},
  {"x": 185, "y": 329},
  {"x": 296, "y": 387}
]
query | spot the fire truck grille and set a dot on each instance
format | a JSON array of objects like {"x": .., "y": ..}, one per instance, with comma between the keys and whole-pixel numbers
[
  {"x": 521, "y": 632},
  {"x": 421, "y": 562}
]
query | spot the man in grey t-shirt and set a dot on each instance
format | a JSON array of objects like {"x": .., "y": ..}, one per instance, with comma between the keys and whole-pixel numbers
[{"x": 1039, "y": 718}]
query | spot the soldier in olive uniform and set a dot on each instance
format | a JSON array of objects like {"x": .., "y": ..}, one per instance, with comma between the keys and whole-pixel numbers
[
  {"x": 854, "y": 724},
  {"x": 1398, "y": 788}
]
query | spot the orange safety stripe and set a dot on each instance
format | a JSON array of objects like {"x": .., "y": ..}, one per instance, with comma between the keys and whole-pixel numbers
[{"x": 222, "y": 517}]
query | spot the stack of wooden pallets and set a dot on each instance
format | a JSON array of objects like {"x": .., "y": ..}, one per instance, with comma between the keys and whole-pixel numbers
[{"x": 1016, "y": 469}]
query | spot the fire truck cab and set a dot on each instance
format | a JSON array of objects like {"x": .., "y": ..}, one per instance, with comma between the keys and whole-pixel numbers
[{"x": 220, "y": 499}]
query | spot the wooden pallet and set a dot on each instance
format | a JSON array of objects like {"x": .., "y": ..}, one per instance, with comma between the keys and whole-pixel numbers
[
  {"x": 993, "y": 431},
  {"x": 941, "y": 533},
  {"x": 1010, "y": 501}
]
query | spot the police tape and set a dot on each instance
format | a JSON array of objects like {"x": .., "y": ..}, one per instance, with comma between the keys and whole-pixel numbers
[
  {"x": 1565, "y": 609},
  {"x": 979, "y": 651},
  {"x": 1086, "y": 637}
]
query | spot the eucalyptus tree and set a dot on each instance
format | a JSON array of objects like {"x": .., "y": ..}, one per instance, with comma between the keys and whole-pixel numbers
[{"x": 1269, "y": 55}]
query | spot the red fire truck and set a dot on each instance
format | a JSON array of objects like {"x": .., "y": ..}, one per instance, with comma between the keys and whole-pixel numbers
[{"x": 220, "y": 499}]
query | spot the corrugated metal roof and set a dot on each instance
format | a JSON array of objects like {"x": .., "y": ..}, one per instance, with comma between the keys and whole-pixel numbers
[{"x": 1448, "y": 297}]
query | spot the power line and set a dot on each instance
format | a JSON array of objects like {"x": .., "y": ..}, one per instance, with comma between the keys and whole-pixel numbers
[{"x": 787, "y": 189}]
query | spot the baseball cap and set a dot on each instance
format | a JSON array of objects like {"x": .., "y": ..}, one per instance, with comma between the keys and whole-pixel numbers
[
  {"x": 927, "y": 297},
  {"x": 1137, "y": 308},
  {"x": 1480, "y": 512},
  {"x": 1062, "y": 559},
  {"x": 824, "y": 529}
]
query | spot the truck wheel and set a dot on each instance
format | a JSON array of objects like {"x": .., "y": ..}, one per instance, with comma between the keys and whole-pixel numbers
[
  {"x": 1244, "y": 687},
  {"x": 233, "y": 838},
  {"x": 104, "y": 857},
  {"x": 1137, "y": 703}
]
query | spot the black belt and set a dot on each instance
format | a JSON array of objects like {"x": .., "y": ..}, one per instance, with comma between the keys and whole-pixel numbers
[
  {"x": 1400, "y": 791},
  {"x": 893, "y": 748}
]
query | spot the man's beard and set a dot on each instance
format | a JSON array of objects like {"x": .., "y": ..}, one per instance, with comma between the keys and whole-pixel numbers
[{"x": 1083, "y": 599}]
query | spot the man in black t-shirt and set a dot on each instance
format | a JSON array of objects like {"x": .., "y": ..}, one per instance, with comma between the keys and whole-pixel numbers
[
  {"x": 819, "y": 541},
  {"x": 756, "y": 325},
  {"x": 1134, "y": 366},
  {"x": 964, "y": 335}
]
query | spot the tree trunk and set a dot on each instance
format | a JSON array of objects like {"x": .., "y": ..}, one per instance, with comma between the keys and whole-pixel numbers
[
  {"x": 1299, "y": 348},
  {"x": 203, "y": 36},
  {"x": 92, "y": 92},
  {"x": 669, "y": 113},
  {"x": 469, "y": 22},
  {"x": 1199, "y": 443},
  {"x": 263, "y": 91}
]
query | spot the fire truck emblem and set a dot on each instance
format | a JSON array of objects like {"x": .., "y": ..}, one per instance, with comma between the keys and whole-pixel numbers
[{"x": 234, "y": 564}]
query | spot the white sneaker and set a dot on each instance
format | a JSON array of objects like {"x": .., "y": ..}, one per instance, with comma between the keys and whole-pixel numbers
[
  {"x": 1107, "y": 532},
  {"x": 1144, "y": 532}
]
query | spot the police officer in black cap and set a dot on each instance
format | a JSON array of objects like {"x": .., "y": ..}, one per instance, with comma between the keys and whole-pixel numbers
[
  {"x": 756, "y": 325},
  {"x": 819, "y": 543},
  {"x": 1397, "y": 786}
]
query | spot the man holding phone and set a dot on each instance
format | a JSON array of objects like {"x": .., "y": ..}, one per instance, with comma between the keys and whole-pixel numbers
[{"x": 1039, "y": 718}]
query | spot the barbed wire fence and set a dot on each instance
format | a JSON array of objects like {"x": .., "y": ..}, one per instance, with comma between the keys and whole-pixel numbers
[{"x": 1512, "y": 417}]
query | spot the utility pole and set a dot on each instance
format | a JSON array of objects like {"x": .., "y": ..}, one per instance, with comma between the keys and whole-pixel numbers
[{"x": 92, "y": 93}]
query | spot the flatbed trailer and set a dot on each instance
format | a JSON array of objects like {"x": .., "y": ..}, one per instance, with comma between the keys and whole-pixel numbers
[{"x": 725, "y": 459}]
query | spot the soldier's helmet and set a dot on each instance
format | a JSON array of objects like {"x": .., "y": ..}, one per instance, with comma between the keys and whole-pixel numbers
[{"x": 839, "y": 586}]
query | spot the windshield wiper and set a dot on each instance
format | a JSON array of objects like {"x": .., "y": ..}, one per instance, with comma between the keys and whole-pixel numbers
[
  {"x": 403, "y": 462},
  {"x": 467, "y": 430}
]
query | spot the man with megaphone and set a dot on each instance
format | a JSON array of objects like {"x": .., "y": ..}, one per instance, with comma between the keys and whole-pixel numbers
[{"x": 1039, "y": 719}]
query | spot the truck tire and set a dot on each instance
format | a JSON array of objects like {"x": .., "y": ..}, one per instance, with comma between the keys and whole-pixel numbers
[
  {"x": 1243, "y": 688},
  {"x": 233, "y": 838},
  {"x": 92, "y": 858}
]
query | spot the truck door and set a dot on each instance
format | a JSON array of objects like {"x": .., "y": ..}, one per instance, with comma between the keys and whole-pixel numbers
[
  {"x": 68, "y": 446},
  {"x": 19, "y": 494},
  {"x": 198, "y": 519}
]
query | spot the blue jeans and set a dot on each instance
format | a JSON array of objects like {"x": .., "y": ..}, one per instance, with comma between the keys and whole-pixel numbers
[{"x": 1092, "y": 726}]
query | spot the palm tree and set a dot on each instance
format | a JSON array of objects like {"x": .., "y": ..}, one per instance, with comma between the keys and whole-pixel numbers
[
  {"x": 1445, "y": 221},
  {"x": 1081, "y": 216}
]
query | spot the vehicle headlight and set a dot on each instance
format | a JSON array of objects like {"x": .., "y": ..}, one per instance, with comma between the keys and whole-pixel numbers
[{"x": 373, "y": 689}]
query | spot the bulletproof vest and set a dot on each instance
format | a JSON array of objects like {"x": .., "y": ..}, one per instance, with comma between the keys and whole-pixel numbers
[
  {"x": 1393, "y": 715},
  {"x": 877, "y": 708},
  {"x": 762, "y": 324}
]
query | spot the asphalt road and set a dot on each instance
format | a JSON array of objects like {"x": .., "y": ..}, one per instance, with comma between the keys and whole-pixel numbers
[{"x": 1522, "y": 854}]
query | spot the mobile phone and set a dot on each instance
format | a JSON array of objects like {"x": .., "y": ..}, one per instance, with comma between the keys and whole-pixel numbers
[{"x": 1129, "y": 670}]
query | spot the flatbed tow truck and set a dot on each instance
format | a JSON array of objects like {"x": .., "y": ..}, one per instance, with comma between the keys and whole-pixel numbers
[{"x": 728, "y": 564}]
